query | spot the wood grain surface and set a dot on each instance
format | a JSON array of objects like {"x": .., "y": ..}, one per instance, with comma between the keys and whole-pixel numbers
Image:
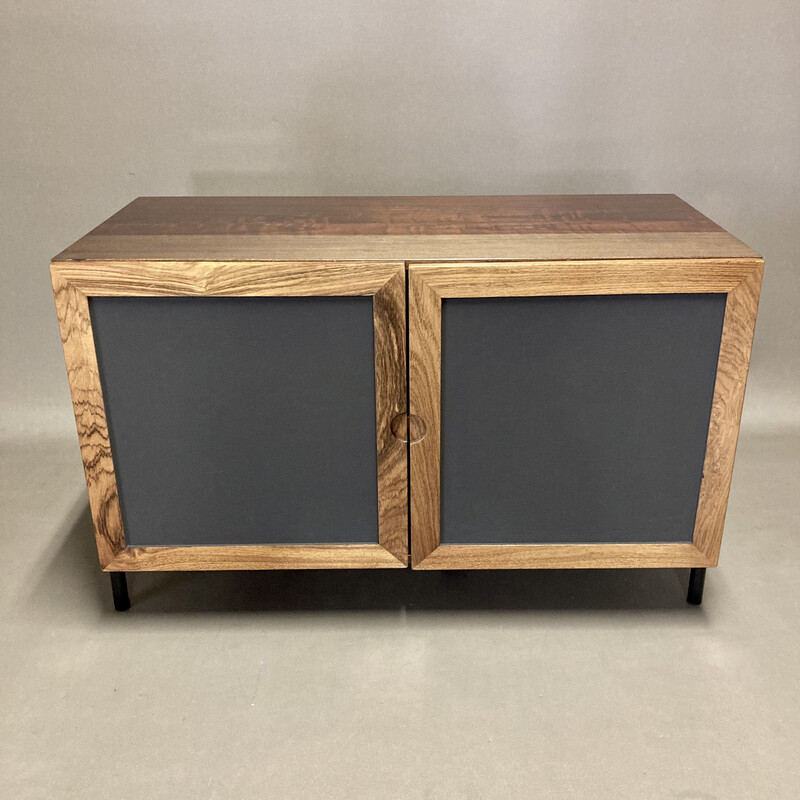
[
  {"x": 77, "y": 339},
  {"x": 225, "y": 279},
  {"x": 406, "y": 216},
  {"x": 449, "y": 247},
  {"x": 405, "y": 228},
  {"x": 273, "y": 556},
  {"x": 544, "y": 246},
  {"x": 389, "y": 313},
  {"x": 430, "y": 283},
  {"x": 425, "y": 400},
  {"x": 558, "y": 278},
  {"x": 563, "y": 556},
  {"x": 726, "y": 411},
  {"x": 74, "y": 282}
]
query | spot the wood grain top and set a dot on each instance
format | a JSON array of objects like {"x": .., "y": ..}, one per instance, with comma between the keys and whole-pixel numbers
[{"x": 406, "y": 228}]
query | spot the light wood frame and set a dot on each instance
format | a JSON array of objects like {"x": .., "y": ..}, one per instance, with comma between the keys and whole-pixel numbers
[
  {"x": 429, "y": 283},
  {"x": 75, "y": 281}
]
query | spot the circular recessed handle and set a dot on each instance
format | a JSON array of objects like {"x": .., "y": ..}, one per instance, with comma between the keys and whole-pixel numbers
[{"x": 408, "y": 428}]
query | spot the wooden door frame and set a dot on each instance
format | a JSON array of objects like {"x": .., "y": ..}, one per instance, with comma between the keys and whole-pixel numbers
[
  {"x": 74, "y": 282},
  {"x": 429, "y": 283}
]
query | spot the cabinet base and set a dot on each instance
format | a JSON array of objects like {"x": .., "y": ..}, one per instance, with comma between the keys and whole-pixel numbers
[{"x": 694, "y": 596}]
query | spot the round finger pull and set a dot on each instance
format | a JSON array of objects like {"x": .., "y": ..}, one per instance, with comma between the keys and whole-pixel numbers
[{"x": 408, "y": 428}]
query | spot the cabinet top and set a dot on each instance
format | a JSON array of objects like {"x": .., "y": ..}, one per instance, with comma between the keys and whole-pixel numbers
[{"x": 523, "y": 227}]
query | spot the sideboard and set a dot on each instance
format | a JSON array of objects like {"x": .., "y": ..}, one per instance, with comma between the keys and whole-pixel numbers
[{"x": 445, "y": 383}]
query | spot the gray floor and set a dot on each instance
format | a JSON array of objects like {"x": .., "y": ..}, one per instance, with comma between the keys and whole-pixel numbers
[{"x": 397, "y": 684}]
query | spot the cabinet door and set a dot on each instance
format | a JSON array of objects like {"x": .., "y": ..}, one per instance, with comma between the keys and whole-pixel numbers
[
  {"x": 238, "y": 415},
  {"x": 576, "y": 414}
]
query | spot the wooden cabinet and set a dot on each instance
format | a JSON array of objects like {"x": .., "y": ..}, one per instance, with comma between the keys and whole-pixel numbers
[{"x": 540, "y": 381}]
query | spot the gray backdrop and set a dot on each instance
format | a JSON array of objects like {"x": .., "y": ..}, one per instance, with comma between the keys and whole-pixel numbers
[{"x": 101, "y": 102}]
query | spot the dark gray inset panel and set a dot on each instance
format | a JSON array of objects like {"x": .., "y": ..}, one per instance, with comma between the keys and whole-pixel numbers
[
  {"x": 241, "y": 420},
  {"x": 576, "y": 419}
]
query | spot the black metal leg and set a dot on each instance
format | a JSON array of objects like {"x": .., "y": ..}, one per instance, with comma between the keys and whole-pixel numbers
[
  {"x": 119, "y": 587},
  {"x": 697, "y": 580}
]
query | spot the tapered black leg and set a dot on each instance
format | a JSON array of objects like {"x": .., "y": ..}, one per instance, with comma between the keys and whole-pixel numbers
[
  {"x": 697, "y": 580},
  {"x": 119, "y": 587}
]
